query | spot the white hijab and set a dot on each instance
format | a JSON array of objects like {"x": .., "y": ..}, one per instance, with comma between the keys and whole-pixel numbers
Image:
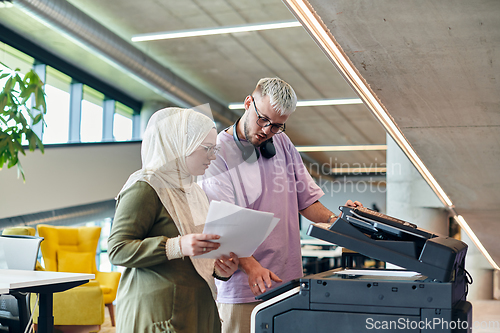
[{"x": 171, "y": 135}]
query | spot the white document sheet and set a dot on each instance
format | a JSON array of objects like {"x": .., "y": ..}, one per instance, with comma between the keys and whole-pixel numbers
[{"x": 241, "y": 230}]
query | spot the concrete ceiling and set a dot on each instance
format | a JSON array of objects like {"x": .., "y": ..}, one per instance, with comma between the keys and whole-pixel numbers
[
  {"x": 224, "y": 67},
  {"x": 432, "y": 64}
]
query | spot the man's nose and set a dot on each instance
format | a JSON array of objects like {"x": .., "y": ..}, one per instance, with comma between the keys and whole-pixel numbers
[{"x": 267, "y": 130}]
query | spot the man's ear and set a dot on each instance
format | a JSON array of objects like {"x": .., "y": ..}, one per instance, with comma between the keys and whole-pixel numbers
[{"x": 248, "y": 102}]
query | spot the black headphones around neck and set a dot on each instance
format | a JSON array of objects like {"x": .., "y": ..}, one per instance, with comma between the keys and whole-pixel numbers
[{"x": 251, "y": 153}]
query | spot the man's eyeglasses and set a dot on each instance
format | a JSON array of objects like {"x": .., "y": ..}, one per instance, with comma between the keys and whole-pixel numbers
[
  {"x": 212, "y": 150},
  {"x": 264, "y": 122}
]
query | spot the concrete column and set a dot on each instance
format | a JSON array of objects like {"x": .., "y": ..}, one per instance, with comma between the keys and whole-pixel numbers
[
  {"x": 136, "y": 127},
  {"x": 409, "y": 197},
  {"x": 480, "y": 270},
  {"x": 108, "y": 114}
]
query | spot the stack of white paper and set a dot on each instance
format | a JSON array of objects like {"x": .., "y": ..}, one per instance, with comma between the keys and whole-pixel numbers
[{"x": 241, "y": 230}]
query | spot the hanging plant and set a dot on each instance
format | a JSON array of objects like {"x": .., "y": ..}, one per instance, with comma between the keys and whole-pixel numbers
[{"x": 14, "y": 111}]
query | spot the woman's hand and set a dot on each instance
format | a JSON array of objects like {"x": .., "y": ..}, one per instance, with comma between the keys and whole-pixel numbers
[
  {"x": 196, "y": 244},
  {"x": 225, "y": 266}
]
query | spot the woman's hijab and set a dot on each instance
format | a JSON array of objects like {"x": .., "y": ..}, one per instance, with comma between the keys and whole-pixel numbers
[{"x": 171, "y": 135}]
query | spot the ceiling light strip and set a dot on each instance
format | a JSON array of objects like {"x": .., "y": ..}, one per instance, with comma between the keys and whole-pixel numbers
[
  {"x": 325, "y": 41},
  {"x": 463, "y": 224},
  {"x": 310, "y": 149},
  {"x": 319, "y": 33},
  {"x": 312, "y": 102},
  {"x": 215, "y": 31},
  {"x": 357, "y": 170},
  {"x": 320, "y": 102}
]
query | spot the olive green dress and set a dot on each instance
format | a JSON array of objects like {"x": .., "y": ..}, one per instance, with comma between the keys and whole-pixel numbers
[{"x": 155, "y": 294}]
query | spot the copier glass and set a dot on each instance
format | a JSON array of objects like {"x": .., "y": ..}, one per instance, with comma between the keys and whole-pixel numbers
[{"x": 429, "y": 295}]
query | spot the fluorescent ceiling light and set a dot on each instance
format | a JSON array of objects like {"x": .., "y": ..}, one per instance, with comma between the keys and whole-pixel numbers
[
  {"x": 320, "y": 33},
  {"x": 463, "y": 224},
  {"x": 309, "y": 149},
  {"x": 357, "y": 170},
  {"x": 317, "y": 102},
  {"x": 340, "y": 101},
  {"x": 215, "y": 31}
]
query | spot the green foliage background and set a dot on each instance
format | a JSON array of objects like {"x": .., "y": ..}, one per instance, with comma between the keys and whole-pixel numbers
[{"x": 14, "y": 126}]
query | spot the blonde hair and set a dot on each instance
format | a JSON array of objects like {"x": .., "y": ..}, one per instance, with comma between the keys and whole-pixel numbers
[{"x": 281, "y": 95}]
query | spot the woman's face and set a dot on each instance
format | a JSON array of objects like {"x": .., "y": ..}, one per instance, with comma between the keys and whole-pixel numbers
[{"x": 200, "y": 159}]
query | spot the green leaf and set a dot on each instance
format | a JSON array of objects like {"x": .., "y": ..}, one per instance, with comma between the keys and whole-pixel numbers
[
  {"x": 3, "y": 160},
  {"x": 40, "y": 144},
  {"x": 20, "y": 171},
  {"x": 18, "y": 147},
  {"x": 27, "y": 77},
  {"x": 4, "y": 65},
  {"x": 13, "y": 161},
  {"x": 11, "y": 148},
  {"x": 3, "y": 143},
  {"x": 27, "y": 91},
  {"x": 31, "y": 137},
  {"x": 8, "y": 85},
  {"x": 40, "y": 99},
  {"x": 13, "y": 103},
  {"x": 38, "y": 118},
  {"x": 19, "y": 80},
  {"x": 3, "y": 101}
]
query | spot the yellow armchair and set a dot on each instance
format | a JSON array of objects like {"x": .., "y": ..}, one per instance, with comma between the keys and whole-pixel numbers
[
  {"x": 23, "y": 231},
  {"x": 80, "y": 309},
  {"x": 73, "y": 249}
]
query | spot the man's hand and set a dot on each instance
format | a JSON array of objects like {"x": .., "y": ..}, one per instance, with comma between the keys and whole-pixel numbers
[
  {"x": 225, "y": 266},
  {"x": 354, "y": 204},
  {"x": 258, "y": 276}
]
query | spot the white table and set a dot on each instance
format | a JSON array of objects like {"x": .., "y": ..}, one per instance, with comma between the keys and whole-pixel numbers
[
  {"x": 4, "y": 288},
  {"x": 46, "y": 284},
  {"x": 334, "y": 252}
]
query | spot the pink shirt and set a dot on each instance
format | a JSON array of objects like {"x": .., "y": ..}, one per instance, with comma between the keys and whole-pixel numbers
[{"x": 280, "y": 185}]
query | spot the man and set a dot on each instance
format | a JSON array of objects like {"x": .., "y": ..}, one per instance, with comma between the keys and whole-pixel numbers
[{"x": 277, "y": 183}]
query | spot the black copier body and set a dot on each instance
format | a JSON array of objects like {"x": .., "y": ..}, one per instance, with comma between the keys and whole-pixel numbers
[{"x": 430, "y": 296}]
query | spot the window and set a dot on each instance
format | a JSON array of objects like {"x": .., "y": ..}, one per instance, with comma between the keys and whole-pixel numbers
[
  {"x": 122, "y": 127},
  {"x": 58, "y": 96},
  {"x": 57, "y": 99},
  {"x": 91, "y": 121},
  {"x": 14, "y": 59}
]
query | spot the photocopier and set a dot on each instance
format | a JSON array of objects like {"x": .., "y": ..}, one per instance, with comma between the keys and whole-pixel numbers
[{"x": 427, "y": 295}]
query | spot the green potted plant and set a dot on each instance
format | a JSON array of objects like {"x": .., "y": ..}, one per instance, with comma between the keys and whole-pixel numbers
[{"x": 14, "y": 111}]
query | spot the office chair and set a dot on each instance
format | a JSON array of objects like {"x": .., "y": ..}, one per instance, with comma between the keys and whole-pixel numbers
[{"x": 18, "y": 250}]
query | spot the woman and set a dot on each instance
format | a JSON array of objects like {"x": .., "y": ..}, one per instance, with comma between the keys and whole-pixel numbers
[{"x": 159, "y": 219}]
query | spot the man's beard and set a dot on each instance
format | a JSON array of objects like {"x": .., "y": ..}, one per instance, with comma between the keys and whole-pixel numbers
[{"x": 247, "y": 135}]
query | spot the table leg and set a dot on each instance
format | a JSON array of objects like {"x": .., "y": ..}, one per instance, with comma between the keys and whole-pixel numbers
[{"x": 45, "y": 315}]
